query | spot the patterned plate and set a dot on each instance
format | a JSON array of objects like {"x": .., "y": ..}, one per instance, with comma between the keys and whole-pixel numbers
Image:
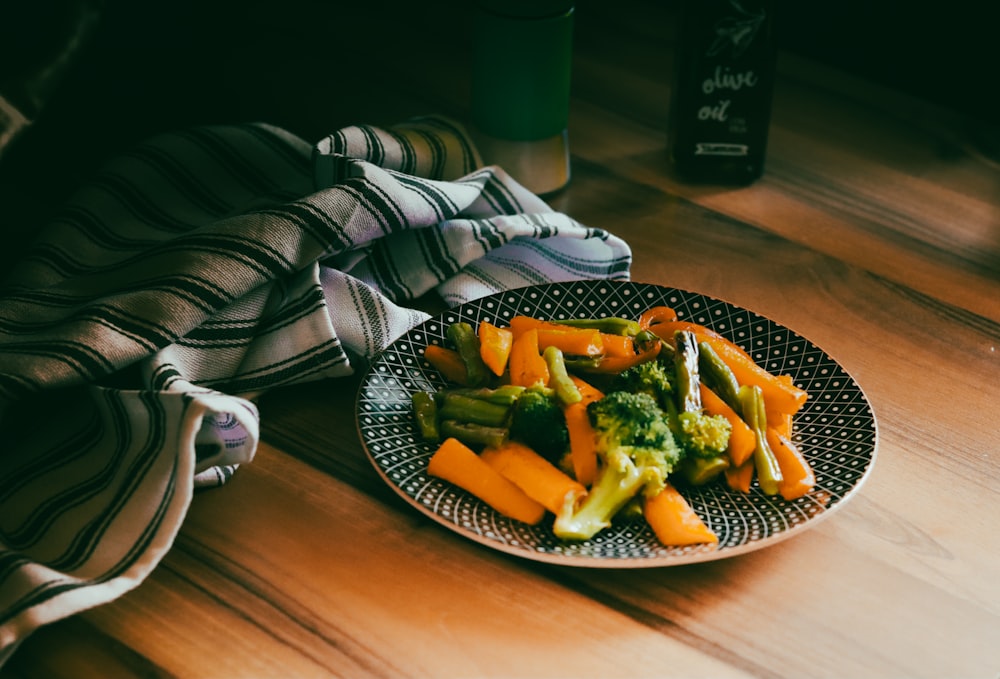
[{"x": 836, "y": 430}]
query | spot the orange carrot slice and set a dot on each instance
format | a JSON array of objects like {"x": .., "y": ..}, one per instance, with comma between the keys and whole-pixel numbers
[
  {"x": 456, "y": 463},
  {"x": 494, "y": 346},
  {"x": 527, "y": 366},
  {"x": 797, "y": 477},
  {"x": 540, "y": 480},
  {"x": 447, "y": 362},
  {"x": 674, "y": 521}
]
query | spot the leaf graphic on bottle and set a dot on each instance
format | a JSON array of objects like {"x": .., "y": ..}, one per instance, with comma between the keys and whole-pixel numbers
[{"x": 736, "y": 32}]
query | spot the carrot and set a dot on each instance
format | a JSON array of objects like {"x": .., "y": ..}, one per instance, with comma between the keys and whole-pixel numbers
[
  {"x": 674, "y": 521},
  {"x": 780, "y": 394},
  {"x": 617, "y": 345},
  {"x": 494, "y": 346},
  {"x": 656, "y": 315},
  {"x": 540, "y": 480},
  {"x": 739, "y": 478},
  {"x": 582, "y": 445},
  {"x": 573, "y": 341},
  {"x": 741, "y": 439},
  {"x": 456, "y": 463},
  {"x": 797, "y": 477},
  {"x": 527, "y": 367},
  {"x": 447, "y": 362}
]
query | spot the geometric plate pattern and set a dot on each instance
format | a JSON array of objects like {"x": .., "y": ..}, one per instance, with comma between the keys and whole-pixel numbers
[{"x": 835, "y": 430}]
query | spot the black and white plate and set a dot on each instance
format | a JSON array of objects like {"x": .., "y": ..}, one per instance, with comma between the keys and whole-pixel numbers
[{"x": 836, "y": 430}]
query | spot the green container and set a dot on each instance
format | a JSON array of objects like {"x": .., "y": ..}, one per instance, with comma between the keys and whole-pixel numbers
[{"x": 521, "y": 68}]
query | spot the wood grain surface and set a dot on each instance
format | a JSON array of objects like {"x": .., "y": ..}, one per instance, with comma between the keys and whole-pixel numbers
[{"x": 874, "y": 233}]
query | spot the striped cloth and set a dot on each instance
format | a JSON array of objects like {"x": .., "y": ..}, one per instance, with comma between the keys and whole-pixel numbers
[{"x": 206, "y": 266}]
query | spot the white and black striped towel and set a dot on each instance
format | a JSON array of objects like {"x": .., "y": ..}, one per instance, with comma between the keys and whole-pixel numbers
[{"x": 207, "y": 265}]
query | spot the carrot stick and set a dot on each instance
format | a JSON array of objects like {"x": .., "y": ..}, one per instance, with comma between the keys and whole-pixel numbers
[
  {"x": 582, "y": 445},
  {"x": 447, "y": 362},
  {"x": 674, "y": 521},
  {"x": 456, "y": 463},
  {"x": 741, "y": 439},
  {"x": 739, "y": 478},
  {"x": 540, "y": 480},
  {"x": 617, "y": 345},
  {"x": 494, "y": 346},
  {"x": 797, "y": 477},
  {"x": 527, "y": 367},
  {"x": 780, "y": 394}
]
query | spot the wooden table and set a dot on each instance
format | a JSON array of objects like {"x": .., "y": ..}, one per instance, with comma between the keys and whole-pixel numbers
[{"x": 875, "y": 233}]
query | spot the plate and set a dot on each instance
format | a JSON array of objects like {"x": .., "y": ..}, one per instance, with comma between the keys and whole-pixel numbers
[{"x": 835, "y": 430}]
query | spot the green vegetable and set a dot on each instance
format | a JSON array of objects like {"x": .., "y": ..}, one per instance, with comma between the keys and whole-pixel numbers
[
  {"x": 539, "y": 423},
  {"x": 766, "y": 464},
  {"x": 472, "y": 434},
  {"x": 718, "y": 376},
  {"x": 700, "y": 470},
  {"x": 455, "y": 405},
  {"x": 700, "y": 434},
  {"x": 466, "y": 344},
  {"x": 637, "y": 452},
  {"x": 504, "y": 395},
  {"x": 559, "y": 380},
  {"x": 652, "y": 377},
  {"x": 425, "y": 412}
]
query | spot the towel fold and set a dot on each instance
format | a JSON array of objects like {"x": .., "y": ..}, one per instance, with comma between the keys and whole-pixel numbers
[{"x": 208, "y": 265}]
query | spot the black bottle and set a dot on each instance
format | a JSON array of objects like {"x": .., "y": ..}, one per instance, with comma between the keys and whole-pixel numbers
[{"x": 720, "y": 110}]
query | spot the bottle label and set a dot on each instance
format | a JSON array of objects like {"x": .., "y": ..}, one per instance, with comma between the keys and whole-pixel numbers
[{"x": 730, "y": 81}]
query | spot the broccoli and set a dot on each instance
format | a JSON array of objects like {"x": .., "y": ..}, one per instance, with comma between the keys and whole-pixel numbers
[
  {"x": 637, "y": 452},
  {"x": 538, "y": 422},
  {"x": 651, "y": 377}
]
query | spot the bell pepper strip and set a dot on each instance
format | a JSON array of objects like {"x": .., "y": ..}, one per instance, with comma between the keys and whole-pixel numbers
[
  {"x": 667, "y": 329},
  {"x": 656, "y": 315},
  {"x": 673, "y": 520},
  {"x": 739, "y": 478},
  {"x": 588, "y": 392},
  {"x": 572, "y": 341},
  {"x": 455, "y": 462},
  {"x": 741, "y": 438},
  {"x": 521, "y": 324},
  {"x": 526, "y": 365},
  {"x": 540, "y": 480},
  {"x": 494, "y": 346},
  {"x": 466, "y": 344},
  {"x": 565, "y": 389},
  {"x": 447, "y": 362},
  {"x": 780, "y": 394},
  {"x": 797, "y": 477}
]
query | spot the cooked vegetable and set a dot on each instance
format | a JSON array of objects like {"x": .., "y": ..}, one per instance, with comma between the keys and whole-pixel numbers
[
  {"x": 494, "y": 346},
  {"x": 447, "y": 362},
  {"x": 637, "y": 452},
  {"x": 740, "y": 478},
  {"x": 541, "y": 480},
  {"x": 797, "y": 477},
  {"x": 455, "y": 405},
  {"x": 718, "y": 376},
  {"x": 505, "y": 394},
  {"x": 674, "y": 521},
  {"x": 780, "y": 395},
  {"x": 697, "y": 471},
  {"x": 472, "y": 434},
  {"x": 741, "y": 438},
  {"x": 527, "y": 367},
  {"x": 582, "y": 438},
  {"x": 700, "y": 433},
  {"x": 426, "y": 415},
  {"x": 559, "y": 380},
  {"x": 466, "y": 344},
  {"x": 456, "y": 463},
  {"x": 768, "y": 471},
  {"x": 538, "y": 422},
  {"x": 612, "y": 325}
]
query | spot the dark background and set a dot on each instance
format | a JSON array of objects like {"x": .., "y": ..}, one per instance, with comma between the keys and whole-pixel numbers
[{"x": 148, "y": 66}]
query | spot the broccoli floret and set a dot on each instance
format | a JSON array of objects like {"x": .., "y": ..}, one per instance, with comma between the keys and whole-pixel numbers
[
  {"x": 538, "y": 422},
  {"x": 637, "y": 453},
  {"x": 650, "y": 377}
]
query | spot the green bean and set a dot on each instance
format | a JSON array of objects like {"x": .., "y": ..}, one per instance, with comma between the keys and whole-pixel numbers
[
  {"x": 566, "y": 391},
  {"x": 718, "y": 376},
  {"x": 457, "y": 406},
  {"x": 613, "y": 325},
  {"x": 752, "y": 408},
  {"x": 425, "y": 412},
  {"x": 474, "y": 435},
  {"x": 466, "y": 344}
]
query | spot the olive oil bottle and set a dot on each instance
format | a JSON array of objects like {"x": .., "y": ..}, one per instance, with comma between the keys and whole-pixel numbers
[{"x": 720, "y": 109}]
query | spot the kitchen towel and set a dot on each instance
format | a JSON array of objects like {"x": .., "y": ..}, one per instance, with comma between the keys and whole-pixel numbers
[{"x": 199, "y": 269}]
